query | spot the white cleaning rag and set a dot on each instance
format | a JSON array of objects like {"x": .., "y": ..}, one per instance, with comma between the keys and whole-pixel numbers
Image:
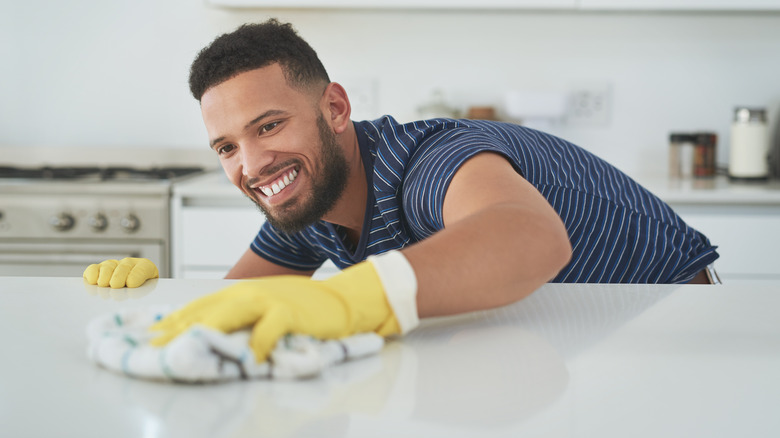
[{"x": 120, "y": 342}]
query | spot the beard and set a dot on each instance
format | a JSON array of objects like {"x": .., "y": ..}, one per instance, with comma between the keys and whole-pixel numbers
[{"x": 328, "y": 183}]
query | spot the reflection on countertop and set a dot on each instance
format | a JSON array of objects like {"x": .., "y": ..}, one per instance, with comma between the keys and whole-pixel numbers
[
  {"x": 563, "y": 362},
  {"x": 121, "y": 294},
  {"x": 477, "y": 372}
]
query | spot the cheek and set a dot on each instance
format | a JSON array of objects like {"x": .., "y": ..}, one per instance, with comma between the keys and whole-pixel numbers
[{"x": 233, "y": 171}]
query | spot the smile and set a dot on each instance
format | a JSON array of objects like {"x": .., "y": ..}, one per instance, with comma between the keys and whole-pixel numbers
[{"x": 279, "y": 185}]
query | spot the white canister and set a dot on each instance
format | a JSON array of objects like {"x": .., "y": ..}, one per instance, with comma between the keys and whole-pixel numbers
[{"x": 748, "y": 155}]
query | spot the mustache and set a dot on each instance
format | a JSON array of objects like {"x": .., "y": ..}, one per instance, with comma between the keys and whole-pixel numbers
[{"x": 268, "y": 172}]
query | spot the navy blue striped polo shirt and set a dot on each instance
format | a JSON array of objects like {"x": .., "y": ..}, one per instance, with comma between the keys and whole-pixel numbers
[{"x": 619, "y": 232}]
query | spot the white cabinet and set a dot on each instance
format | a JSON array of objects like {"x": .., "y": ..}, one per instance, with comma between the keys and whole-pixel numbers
[
  {"x": 212, "y": 225},
  {"x": 748, "y": 237},
  {"x": 212, "y": 238},
  {"x": 742, "y": 220},
  {"x": 209, "y": 238}
]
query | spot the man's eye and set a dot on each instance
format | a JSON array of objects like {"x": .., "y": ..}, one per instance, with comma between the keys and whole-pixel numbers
[
  {"x": 225, "y": 149},
  {"x": 268, "y": 127}
]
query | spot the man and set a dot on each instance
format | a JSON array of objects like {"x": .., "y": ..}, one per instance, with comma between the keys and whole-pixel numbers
[{"x": 453, "y": 215}]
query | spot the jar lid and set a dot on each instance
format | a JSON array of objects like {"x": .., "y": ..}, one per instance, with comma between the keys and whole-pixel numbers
[
  {"x": 681, "y": 137},
  {"x": 745, "y": 114},
  {"x": 706, "y": 138}
]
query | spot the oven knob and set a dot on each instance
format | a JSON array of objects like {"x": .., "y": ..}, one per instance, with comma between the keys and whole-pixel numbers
[
  {"x": 130, "y": 223},
  {"x": 98, "y": 222},
  {"x": 62, "y": 222}
]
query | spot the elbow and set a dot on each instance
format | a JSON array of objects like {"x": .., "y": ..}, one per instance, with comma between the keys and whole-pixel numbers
[
  {"x": 560, "y": 249},
  {"x": 562, "y": 255},
  {"x": 552, "y": 252}
]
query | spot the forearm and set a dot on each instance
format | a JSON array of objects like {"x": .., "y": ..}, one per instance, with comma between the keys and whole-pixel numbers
[
  {"x": 489, "y": 259},
  {"x": 251, "y": 265}
]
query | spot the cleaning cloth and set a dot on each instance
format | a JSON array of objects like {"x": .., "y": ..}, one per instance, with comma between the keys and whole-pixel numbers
[{"x": 120, "y": 342}]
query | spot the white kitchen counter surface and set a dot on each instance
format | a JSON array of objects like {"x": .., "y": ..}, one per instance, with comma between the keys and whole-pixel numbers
[
  {"x": 716, "y": 191},
  {"x": 569, "y": 361},
  {"x": 713, "y": 191}
]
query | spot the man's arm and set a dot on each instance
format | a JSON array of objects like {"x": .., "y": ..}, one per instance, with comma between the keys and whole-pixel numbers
[
  {"x": 251, "y": 265},
  {"x": 502, "y": 240}
]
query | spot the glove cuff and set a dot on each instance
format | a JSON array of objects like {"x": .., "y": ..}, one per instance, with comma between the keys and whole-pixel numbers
[{"x": 400, "y": 284}]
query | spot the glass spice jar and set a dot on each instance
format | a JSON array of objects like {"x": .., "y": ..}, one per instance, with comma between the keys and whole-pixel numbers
[
  {"x": 681, "y": 147},
  {"x": 704, "y": 155}
]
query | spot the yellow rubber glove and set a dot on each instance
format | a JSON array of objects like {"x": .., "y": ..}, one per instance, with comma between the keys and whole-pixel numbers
[
  {"x": 350, "y": 302},
  {"x": 130, "y": 272}
]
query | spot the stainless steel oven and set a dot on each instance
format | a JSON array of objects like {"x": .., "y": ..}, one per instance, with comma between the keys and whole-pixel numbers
[
  {"x": 63, "y": 259},
  {"x": 56, "y": 221}
]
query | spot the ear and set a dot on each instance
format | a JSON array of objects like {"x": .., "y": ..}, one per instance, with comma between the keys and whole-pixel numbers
[{"x": 335, "y": 107}]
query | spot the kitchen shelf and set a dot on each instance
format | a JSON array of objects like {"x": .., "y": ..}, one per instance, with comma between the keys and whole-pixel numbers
[
  {"x": 553, "y": 5},
  {"x": 398, "y": 4}
]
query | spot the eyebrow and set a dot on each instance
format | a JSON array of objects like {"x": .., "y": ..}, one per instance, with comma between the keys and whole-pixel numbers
[{"x": 253, "y": 122}]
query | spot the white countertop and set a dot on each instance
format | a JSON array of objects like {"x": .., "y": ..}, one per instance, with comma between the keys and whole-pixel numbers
[
  {"x": 714, "y": 191},
  {"x": 569, "y": 361}
]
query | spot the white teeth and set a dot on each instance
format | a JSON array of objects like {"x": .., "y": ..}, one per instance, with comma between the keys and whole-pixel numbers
[{"x": 279, "y": 185}]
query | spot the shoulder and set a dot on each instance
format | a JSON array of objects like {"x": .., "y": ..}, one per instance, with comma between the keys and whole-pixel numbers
[
  {"x": 396, "y": 147},
  {"x": 403, "y": 139}
]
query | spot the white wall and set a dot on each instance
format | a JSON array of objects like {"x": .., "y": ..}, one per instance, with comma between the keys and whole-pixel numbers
[{"x": 114, "y": 73}]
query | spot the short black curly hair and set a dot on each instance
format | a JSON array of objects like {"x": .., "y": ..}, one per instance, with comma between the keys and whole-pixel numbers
[{"x": 253, "y": 46}]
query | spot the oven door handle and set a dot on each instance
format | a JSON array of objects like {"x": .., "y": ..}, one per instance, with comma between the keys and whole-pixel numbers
[{"x": 85, "y": 259}]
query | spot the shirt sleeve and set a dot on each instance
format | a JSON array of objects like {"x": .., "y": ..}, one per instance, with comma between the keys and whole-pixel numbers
[{"x": 431, "y": 170}]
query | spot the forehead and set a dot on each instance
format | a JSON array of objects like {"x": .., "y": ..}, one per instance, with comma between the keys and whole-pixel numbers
[
  {"x": 258, "y": 84},
  {"x": 231, "y": 104}
]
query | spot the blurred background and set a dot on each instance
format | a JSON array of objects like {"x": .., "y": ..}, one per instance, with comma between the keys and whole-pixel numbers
[
  {"x": 103, "y": 153},
  {"x": 114, "y": 74}
]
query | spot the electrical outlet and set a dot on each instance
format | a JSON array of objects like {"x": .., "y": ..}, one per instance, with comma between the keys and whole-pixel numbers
[{"x": 590, "y": 105}]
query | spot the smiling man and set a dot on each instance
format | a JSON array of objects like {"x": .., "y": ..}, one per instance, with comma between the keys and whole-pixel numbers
[
  {"x": 267, "y": 134},
  {"x": 427, "y": 218}
]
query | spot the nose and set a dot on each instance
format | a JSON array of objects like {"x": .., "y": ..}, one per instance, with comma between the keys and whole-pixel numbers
[{"x": 254, "y": 159}]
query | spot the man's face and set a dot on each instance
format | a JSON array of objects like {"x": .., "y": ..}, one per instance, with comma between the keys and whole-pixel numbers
[{"x": 275, "y": 145}]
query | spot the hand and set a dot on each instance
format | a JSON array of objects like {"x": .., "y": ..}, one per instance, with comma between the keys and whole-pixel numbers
[
  {"x": 351, "y": 302},
  {"x": 130, "y": 272}
]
